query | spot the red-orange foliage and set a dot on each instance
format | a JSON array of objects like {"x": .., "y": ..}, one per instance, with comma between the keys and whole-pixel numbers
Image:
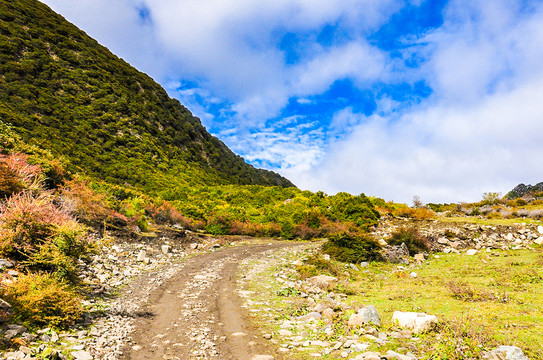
[
  {"x": 417, "y": 214},
  {"x": 27, "y": 221},
  {"x": 16, "y": 174}
]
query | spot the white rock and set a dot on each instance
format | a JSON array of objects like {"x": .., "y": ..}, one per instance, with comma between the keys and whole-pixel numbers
[
  {"x": 505, "y": 353},
  {"x": 327, "y": 257},
  {"x": 166, "y": 249},
  {"x": 540, "y": 229},
  {"x": 141, "y": 255},
  {"x": 416, "y": 322},
  {"x": 414, "y": 275},
  {"x": 471, "y": 252},
  {"x": 539, "y": 240}
]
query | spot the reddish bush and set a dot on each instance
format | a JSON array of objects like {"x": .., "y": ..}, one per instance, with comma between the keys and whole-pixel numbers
[
  {"x": 16, "y": 175},
  {"x": 166, "y": 213},
  {"x": 88, "y": 206},
  {"x": 27, "y": 221},
  {"x": 43, "y": 236}
]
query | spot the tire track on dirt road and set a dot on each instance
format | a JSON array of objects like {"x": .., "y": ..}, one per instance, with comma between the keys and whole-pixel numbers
[{"x": 197, "y": 313}]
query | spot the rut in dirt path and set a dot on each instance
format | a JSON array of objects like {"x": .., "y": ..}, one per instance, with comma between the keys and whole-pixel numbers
[{"x": 197, "y": 314}]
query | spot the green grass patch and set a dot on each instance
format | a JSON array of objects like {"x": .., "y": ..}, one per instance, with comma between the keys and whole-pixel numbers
[{"x": 481, "y": 301}]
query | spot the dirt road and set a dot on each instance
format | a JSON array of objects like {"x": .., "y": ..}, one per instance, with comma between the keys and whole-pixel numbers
[{"x": 197, "y": 314}]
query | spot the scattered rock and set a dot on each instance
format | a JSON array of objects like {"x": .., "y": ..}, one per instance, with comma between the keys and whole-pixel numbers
[
  {"x": 471, "y": 252},
  {"x": 416, "y": 322},
  {"x": 354, "y": 267}
]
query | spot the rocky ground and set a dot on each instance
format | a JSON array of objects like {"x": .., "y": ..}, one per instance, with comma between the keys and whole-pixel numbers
[{"x": 165, "y": 299}]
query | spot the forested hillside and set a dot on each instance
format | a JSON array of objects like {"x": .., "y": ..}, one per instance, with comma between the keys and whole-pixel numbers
[{"x": 64, "y": 92}]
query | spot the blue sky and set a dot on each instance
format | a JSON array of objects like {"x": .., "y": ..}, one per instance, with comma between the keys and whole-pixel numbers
[{"x": 391, "y": 98}]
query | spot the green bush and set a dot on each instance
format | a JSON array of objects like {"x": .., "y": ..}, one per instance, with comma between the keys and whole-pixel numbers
[
  {"x": 411, "y": 236},
  {"x": 43, "y": 300},
  {"x": 316, "y": 265},
  {"x": 352, "y": 248}
]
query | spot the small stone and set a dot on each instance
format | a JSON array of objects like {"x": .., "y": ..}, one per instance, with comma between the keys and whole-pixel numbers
[
  {"x": 141, "y": 255},
  {"x": 419, "y": 258},
  {"x": 81, "y": 355},
  {"x": 413, "y": 275},
  {"x": 327, "y": 257},
  {"x": 365, "y": 315},
  {"x": 323, "y": 281},
  {"x": 443, "y": 241},
  {"x": 540, "y": 229},
  {"x": 166, "y": 249},
  {"x": 354, "y": 267},
  {"x": 369, "y": 355},
  {"x": 364, "y": 264},
  {"x": 267, "y": 336},
  {"x": 285, "y": 332},
  {"x": 539, "y": 240},
  {"x": 471, "y": 252},
  {"x": 4, "y": 305}
]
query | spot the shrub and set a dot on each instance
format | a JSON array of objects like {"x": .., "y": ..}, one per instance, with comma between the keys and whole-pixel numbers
[
  {"x": 412, "y": 238},
  {"x": 43, "y": 236},
  {"x": 416, "y": 214},
  {"x": 43, "y": 300},
  {"x": 219, "y": 225},
  {"x": 16, "y": 175},
  {"x": 87, "y": 205},
  {"x": 351, "y": 248},
  {"x": 26, "y": 221},
  {"x": 316, "y": 265}
]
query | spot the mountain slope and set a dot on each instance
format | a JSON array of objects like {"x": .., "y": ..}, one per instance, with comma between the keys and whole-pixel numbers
[{"x": 64, "y": 92}]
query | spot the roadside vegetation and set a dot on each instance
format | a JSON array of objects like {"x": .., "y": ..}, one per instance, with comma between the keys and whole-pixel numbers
[{"x": 481, "y": 302}]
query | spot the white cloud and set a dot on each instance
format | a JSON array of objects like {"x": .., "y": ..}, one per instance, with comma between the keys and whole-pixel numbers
[{"x": 480, "y": 131}]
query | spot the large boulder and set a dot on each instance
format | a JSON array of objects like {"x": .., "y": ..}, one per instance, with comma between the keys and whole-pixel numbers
[
  {"x": 505, "y": 353},
  {"x": 416, "y": 322}
]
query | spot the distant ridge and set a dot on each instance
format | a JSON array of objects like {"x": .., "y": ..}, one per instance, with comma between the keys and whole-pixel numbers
[
  {"x": 523, "y": 190},
  {"x": 64, "y": 92}
]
